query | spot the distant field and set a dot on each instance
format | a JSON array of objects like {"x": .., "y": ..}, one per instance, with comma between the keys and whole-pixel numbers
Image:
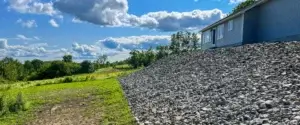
[{"x": 81, "y": 99}]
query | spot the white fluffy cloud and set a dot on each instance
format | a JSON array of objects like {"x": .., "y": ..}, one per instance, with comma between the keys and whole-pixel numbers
[
  {"x": 3, "y": 43},
  {"x": 134, "y": 42},
  {"x": 117, "y": 48},
  {"x": 27, "y": 23},
  {"x": 33, "y": 50},
  {"x": 32, "y": 7},
  {"x": 115, "y": 13},
  {"x": 53, "y": 23}
]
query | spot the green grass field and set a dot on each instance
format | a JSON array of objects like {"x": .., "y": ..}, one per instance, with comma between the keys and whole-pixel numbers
[{"x": 101, "y": 89}]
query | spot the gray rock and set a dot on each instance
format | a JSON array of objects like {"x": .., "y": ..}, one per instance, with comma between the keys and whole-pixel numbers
[{"x": 251, "y": 84}]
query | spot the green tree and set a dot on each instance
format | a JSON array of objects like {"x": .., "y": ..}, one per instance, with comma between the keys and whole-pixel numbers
[
  {"x": 87, "y": 67},
  {"x": 149, "y": 57},
  {"x": 11, "y": 69},
  {"x": 37, "y": 64},
  {"x": 68, "y": 58},
  {"x": 243, "y": 5},
  {"x": 101, "y": 60},
  {"x": 162, "y": 51},
  {"x": 195, "y": 41},
  {"x": 175, "y": 43}
]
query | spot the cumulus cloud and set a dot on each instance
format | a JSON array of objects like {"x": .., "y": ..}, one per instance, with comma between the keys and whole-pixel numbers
[
  {"x": 53, "y": 23},
  {"x": 115, "y": 13},
  {"x": 85, "y": 50},
  {"x": 28, "y": 23},
  {"x": 134, "y": 42},
  {"x": 117, "y": 48},
  {"x": 32, "y": 50},
  {"x": 3, "y": 43},
  {"x": 32, "y": 7}
]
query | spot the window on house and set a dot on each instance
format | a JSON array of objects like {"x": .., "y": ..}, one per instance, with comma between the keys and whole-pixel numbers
[
  {"x": 206, "y": 37},
  {"x": 230, "y": 25},
  {"x": 220, "y": 31}
]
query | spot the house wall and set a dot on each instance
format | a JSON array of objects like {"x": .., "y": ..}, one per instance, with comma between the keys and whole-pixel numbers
[
  {"x": 208, "y": 44},
  {"x": 279, "y": 20},
  {"x": 251, "y": 26},
  {"x": 234, "y": 36}
]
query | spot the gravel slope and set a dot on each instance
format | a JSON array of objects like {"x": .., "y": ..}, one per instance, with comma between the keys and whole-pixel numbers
[{"x": 252, "y": 84}]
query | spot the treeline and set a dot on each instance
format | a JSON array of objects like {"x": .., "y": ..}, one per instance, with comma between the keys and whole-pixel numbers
[
  {"x": 180, "y": 42},
  {"x": 13, "y": 70}
]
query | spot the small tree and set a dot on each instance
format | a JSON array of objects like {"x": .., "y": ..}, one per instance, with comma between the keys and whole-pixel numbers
[
  {"x": 101, "y": 60},
  {"x": 68, "y": 58},
  {"x": 87, "y": 67}
]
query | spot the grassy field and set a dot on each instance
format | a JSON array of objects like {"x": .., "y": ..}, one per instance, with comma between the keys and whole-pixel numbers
[{"x": 94, "y": 97}]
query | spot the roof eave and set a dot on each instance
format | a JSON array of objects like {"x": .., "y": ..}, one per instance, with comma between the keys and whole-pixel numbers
[{"x": 233, "y": 16}]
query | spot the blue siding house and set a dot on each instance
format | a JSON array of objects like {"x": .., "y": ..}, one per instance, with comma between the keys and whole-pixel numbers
[{"x": 264, "y": 21}]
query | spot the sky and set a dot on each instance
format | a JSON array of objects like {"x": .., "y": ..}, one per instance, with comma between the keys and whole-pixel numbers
[{"x": 49, "y": 29}]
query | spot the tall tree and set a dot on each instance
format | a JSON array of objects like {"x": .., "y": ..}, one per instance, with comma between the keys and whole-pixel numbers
[
  {"x": 102, "y": 59},
  {"x": 195, "y": 41},
  {"x": 37, "y": 64},
  {"x": 68, "y": 58},
  {"x": 162, "y": 51}
]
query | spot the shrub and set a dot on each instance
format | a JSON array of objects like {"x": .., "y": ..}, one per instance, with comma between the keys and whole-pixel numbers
[
  {"x": 67, "y": 80},
  {"x": 87, "y": 78},
  {"x": 93, "y": 78}
]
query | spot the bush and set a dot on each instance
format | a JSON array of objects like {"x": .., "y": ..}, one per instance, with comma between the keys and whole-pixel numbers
[
  {"x": 18, "y": 105},
  {"x": 67, "y": 80}
]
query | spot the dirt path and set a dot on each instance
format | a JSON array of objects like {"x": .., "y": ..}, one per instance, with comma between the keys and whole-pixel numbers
[{"x": 76, "y": 112}]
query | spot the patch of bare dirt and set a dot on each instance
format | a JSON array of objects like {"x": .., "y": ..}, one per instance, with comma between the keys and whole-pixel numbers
[{"x": 74, "y": 112}]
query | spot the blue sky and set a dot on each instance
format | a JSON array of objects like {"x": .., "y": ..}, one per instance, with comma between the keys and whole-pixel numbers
[{"x": 47, "y": 29}]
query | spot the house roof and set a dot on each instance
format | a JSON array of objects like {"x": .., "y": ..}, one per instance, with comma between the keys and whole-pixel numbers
[{"x": 259, "y": 2}]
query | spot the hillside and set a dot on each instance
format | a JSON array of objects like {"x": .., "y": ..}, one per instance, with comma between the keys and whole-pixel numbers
[{"x": 251, "y": 84}]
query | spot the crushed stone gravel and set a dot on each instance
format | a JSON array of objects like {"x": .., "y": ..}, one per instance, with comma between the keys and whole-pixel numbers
[{"x": 251, "y": 84}]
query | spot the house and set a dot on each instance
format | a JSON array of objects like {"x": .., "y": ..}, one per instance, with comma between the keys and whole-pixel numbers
[{"x": 264, "y": 21}]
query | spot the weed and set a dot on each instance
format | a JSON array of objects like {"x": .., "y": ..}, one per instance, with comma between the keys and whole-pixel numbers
[
  {"x": 18, "y": 104},
  {"x": 2, "y": 104}
]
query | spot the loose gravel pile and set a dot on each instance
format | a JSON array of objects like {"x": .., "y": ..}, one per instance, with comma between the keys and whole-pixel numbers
[{"x": 251, "y": 84}]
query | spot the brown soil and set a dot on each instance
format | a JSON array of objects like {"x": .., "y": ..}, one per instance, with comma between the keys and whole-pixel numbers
[{"x": 74, "y": 112}]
